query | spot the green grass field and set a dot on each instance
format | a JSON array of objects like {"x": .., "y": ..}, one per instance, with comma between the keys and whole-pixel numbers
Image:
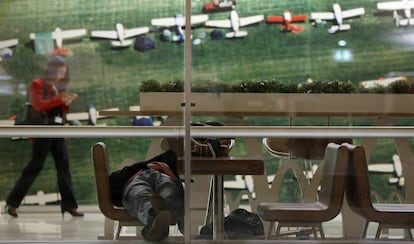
[
  {"x": 265, "y": 53},
  {"x": 110, "y": 78},
  {"x": 376, "y": 45}
]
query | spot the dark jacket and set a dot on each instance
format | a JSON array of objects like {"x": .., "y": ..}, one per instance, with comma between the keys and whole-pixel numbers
[{"x": 120, "y": 178}]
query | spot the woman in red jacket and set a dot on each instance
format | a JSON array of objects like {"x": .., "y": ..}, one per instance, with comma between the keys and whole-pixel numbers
[{"x": 48, "y": 94}]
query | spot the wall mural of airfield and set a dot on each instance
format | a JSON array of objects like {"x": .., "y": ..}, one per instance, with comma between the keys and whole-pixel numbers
[
  {"x": 370, "y": 41},
  {"x": 332, "y": 40}
]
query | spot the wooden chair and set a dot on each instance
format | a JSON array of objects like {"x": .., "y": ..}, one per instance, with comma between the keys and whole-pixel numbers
[
  {"x": 277, "y": 147},
  {"x": 387, "y": 215},
  {"x": 108, "y": 209},
  {"x": 312, "y": 214},
  {"x": 311, "y": 149}
]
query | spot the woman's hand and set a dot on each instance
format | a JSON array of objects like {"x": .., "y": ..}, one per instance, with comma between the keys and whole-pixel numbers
[{"x": 68, "y": 97}]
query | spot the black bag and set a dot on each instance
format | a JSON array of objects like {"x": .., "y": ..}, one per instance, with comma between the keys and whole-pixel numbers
[
  {"x": 238, "y": 225},
  {"x": 30, "y": 116},
  {"x": 211, "y": 147},
  {"x": 203, "y": 147}
]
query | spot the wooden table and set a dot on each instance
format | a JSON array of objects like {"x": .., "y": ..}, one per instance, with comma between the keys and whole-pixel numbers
[{"x": 217, "y": 167}]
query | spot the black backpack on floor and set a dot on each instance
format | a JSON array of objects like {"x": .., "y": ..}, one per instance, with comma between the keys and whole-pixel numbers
[{"x": 238, "y": 225}]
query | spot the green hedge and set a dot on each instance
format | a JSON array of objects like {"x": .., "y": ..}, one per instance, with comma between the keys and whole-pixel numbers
[{"x": 276, "y": 86}]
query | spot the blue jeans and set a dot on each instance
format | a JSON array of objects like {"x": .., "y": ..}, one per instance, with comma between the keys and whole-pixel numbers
[{"x": 137, "y": 195}]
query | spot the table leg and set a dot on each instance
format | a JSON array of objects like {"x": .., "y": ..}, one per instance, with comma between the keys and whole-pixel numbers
[{"x": 218, "y": 206}]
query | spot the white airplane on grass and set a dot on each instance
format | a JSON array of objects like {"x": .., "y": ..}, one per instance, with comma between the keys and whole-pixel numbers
[
  {"x": 8, "y": 122},
  {"x": 4, "y": 45},
  {"x": 5, "y": 77},
  {"x": 234, "y": 23},
  {"x": 8, "y": 43},
  {"x": 238, "y": 184},
  {"x": 120, "y": 34},
  {"x": 58, "y": 35},
  {"x": 337, "y": 15},
  {"x": 91, "y": 116},
  {"x": 400, "y": 73},
  {"x": 404, "y": 5},
  {"x": 395, "y": 168},
  {"x": 178, "y": 21},
  {"x": 380, "y": 82}
]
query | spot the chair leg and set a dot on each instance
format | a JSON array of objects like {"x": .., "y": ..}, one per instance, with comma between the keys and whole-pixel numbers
[
  {"x": 377, "y": 235},
  {"x": 118, "y": 231},
  {"x": 277, "y": 232},
  {"x": 322, "y": 233},
  {"x": 364, "y": 233},
  {"x": 269, "y": 232},
  {"x": 315, "y": 233},
  {"x": 410, "y": 235}
]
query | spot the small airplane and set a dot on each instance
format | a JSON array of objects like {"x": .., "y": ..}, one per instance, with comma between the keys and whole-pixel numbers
[
  {"x": 337, "y": 15},
  {"x": 4, "y": 45},
  {"x": 235, "y": 22},
  {"x": 394, "y": 6},
  {"x": 11, "y": 88},
  {"x": 5, "y": 77},
  {"x": 8, "y": 43},
  {"x": 380, "y": 82},
  {"x": 58, "y": 35},
  {"x": 400, "y": 73},
  {"x": 219, "y": 5},
  {"x": 286, "y": 19},
  {"x": 73, "y": 118},
  {"x": 178, "y": 21},
  {"x": 91, "y": 116},
  {"x": 395, "y": 168},
  {"x": 7, "y": 122},
  {"x": 121, "y": 34}
]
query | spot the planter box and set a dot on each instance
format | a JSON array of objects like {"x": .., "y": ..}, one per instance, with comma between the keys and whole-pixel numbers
[{"x": 282, "y": 104}]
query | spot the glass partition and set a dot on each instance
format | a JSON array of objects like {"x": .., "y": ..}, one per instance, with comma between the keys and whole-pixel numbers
[
  {"x": 287, "y": 64},
  {"x": 111, "y": 49},
  {"x": 247, "y": 94}
]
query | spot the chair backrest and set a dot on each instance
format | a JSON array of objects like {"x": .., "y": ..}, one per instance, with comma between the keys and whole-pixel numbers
[
  {"x": 102, "y": 172},
  {"x": 333, "y": 177},
  {"x": 276, "y": 146},
  {"x": 358, "y": 191},
  {"x": 312, "y": 148}
]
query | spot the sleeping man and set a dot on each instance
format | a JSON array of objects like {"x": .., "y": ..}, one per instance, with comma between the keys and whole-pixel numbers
[{"x": 151, "y": 191}]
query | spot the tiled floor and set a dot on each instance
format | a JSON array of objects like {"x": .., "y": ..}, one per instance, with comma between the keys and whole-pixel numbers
[{"x": 44, "y": 224}]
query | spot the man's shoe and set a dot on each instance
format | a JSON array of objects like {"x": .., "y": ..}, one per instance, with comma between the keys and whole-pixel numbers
[{"x": 159, "y": 229}]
